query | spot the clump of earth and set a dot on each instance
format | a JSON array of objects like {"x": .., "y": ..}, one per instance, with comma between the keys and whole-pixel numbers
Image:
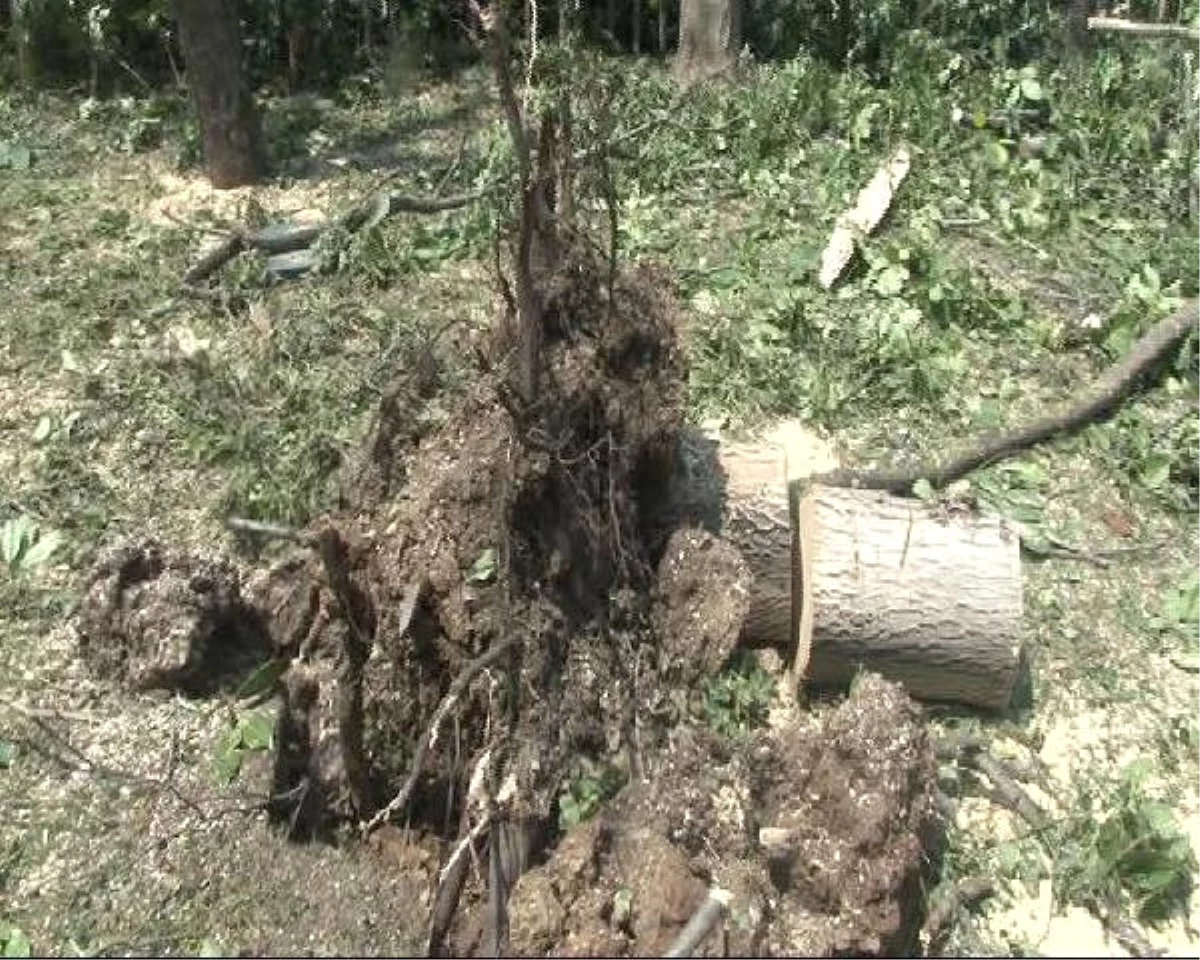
[{"x": 496, "y": 602}]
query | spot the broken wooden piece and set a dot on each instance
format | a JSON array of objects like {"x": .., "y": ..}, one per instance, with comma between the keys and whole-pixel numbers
[
  {"x": 930, "y": 600},
  {"x": 859, "y": 221}
]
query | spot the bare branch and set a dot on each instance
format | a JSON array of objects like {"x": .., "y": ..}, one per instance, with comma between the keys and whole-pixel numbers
[{"x": 1106, "y": 398}]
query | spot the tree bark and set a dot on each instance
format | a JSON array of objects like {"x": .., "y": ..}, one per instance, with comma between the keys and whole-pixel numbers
[
  {"x": 22, "y": 17},
  {"x": 1077, "y": 25},
  {"x": 933, "y": 602},
  {"x": 710, "y": 36},
  {"x": 210, "y": 37}
]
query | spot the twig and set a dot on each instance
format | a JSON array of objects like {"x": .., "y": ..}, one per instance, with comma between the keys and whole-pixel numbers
[
  {"x": 429, "y": 737},
  {"x": 271, "y": 531},
  {"x": 274, "y": 240},
  {"x": 711, "y": 912},
  {"x": 48, "y": 713},
  {"x": 1106, "y": 397}
]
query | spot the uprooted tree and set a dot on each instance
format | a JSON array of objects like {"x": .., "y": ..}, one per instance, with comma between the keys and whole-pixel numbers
[{"x": 547, "y": 575}]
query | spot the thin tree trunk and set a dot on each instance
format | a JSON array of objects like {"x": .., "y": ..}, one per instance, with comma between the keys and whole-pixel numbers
[
  {"x": 662, "y": 26},
  {"x": 23, "y": 40},
  {"x": 637, "y": 26},
  {"x": 211, "y": 40}
]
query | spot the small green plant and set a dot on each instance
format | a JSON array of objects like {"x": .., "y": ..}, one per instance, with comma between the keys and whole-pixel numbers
[
  {"x": 24, "y": 545},
  {"x": 586, "y": 793},
  {"x": 1133, "y": 856},
  {"x": 739, "y": 699},
  {"x": 14, "y": 942},
  {"x": 253, "y": 732}
]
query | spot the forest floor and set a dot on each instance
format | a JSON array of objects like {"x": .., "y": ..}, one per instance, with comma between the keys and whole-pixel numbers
[{"x": 997, "y": 287}]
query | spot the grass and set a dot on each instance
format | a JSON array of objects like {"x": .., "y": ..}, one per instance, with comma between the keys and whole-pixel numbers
[{"x": 124, "y": 410}]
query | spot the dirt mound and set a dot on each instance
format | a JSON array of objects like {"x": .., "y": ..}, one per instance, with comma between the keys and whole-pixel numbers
[
  {"x": 156, "y": 620},
  {"x": 818, "y": 830}
]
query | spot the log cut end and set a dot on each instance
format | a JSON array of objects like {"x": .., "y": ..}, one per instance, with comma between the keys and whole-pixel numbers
[{"x": 921, "y": 596}]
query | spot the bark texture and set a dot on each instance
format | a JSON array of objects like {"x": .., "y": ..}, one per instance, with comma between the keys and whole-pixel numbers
[
  {"x": 710, "y": 36},
  {"x": 211, "y": 39}
]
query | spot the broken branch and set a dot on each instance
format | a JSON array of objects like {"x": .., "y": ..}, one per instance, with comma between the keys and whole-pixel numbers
[
  {"x": 1106, "y": 397},
  {"x": 286, "y": 239}
]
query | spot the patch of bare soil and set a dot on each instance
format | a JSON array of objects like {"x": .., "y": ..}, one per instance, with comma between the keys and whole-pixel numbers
[{"x": 490, "y": 605}]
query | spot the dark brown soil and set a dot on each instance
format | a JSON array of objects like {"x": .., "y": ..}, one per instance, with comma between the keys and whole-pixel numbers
[
  {"x": 496, "y": 601},
  {"x": 154, "y": 619}
]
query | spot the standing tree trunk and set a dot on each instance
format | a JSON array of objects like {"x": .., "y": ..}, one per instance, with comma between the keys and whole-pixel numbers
[
  {"x": 1077, "y": 25},
  {"x": 21, "y": 17},
  {"x": 662, "y": 26},
  {"x": 637, "y": 27},
  {"x": 710, "y": 35},
  {"x": 211, "y": 40}
]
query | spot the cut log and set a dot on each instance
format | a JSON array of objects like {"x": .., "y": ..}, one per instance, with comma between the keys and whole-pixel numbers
[
  {"x": 930, "y": 600},
  {"x": 850, "y": 579}
]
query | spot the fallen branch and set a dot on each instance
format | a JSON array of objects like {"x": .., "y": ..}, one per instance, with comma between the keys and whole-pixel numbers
[
  {"x": 1107, "y": 396},
  {"x": 278, "y": 238},
  {"x": 429, "y": 737},
  {"x": 271, "y": 531},
  {"x": 711, "y": 912},
  {"x": 1150, "y": 31}
]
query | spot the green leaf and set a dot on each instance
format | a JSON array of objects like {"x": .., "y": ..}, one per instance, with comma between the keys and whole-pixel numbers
[
  {"x": 1187, "y": 659},
  {"x": 14, "y": 942},
  {"x": 211, "y": 948},
  {"x": 1156, "y": 472},
  {"x": 14, "y": 536},
  {"x": 257, "y": 731},
  {"x": 7, "y": 753},
  {"x": 923, "y": 491},
  {"x": 890, "y": 280},
  {"x": 483, "y": 570},
  {"x": 1183, "y": 606},
  {"x": 1032, "y": 90},
  {"x": 262, "y": 680},
  {"x": 42, "y": 430},
  {"x": 42, "y": 549},
  {"x": 228, "y": 763}
]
